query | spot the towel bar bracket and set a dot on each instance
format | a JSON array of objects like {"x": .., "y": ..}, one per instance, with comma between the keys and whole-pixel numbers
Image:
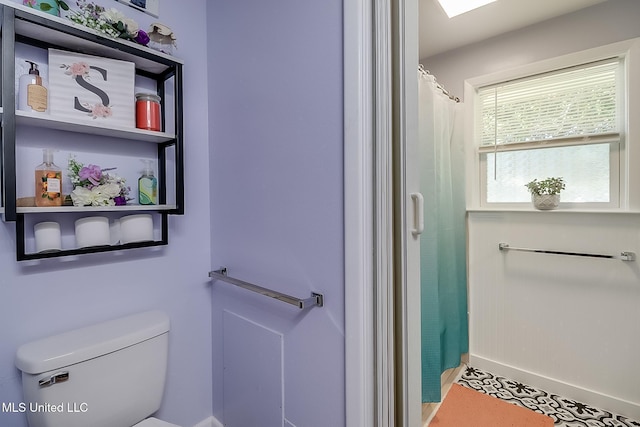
[
  {"x": 315, "y": 299},
  {"x": 628, "y": 256}
]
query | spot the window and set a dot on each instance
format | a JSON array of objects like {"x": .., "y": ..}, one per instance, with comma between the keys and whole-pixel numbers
[{"x": 567, "y": 122}]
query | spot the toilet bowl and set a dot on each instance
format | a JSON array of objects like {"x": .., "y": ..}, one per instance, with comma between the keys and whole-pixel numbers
[{"x": 107, "y": 375}]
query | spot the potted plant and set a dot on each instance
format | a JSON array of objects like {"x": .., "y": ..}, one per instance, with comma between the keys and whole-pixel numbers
[{"x": 545, "y": 194}]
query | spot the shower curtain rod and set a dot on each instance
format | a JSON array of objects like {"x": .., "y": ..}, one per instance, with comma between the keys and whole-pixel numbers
[{"x": 438, "y": 85}]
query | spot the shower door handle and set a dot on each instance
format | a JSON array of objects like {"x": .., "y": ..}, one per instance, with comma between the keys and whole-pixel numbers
[{"x": 418, "y": 214}]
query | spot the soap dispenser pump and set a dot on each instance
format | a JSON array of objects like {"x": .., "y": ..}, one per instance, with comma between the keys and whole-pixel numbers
[
  {"x": 147, "y": 185},
  {"x": 32, "y": 95},
  {"x": 48, "y": 181}
]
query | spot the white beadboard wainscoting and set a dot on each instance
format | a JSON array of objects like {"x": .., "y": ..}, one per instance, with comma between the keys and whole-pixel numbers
[{"x": 566, "y": 324}]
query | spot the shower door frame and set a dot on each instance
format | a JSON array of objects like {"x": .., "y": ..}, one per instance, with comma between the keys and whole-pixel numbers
[{"x": 382, "y": 351}]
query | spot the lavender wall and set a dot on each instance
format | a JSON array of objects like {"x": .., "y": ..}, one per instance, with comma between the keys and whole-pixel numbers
[
  {"x": 48, "y": 297},
  {"x": 277, "y": 189}
]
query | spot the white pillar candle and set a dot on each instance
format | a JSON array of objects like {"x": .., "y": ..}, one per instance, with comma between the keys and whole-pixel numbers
[
  {"x": 92, "y": 231},
  {"x": 47, "y": 235},
  {"x": 136, "y": 228}
]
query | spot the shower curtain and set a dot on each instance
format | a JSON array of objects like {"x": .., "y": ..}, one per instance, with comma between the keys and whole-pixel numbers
[{"x": 443, "y": 281}]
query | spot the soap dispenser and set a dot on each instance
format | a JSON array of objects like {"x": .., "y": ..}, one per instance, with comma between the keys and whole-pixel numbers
[
  {"x": 147, "y": 185},
  {"x": 48, "y": 181},
  {"x": 32, "y": 95}
]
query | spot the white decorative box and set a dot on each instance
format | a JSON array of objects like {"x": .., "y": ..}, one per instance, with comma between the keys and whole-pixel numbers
[{"x": 91, "y": 88}]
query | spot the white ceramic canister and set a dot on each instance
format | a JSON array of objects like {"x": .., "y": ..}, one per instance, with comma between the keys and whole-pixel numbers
[
  {"x": 47, "y": 235},
  {"x": 136, "y": 228},
  {"x": 92, "y": 231}
]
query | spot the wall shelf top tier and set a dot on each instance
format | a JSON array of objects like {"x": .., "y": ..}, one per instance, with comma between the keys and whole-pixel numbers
[{"x": 40, "y": 27}]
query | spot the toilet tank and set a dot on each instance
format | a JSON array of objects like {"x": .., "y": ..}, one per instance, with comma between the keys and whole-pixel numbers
[{"x": 107, "y": 375}]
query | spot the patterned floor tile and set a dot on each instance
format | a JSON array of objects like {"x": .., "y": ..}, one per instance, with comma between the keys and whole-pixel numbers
[{"x": 564, "y": 412}]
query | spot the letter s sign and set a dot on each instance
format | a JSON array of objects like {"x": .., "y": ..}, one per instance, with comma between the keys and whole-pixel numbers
[{"x": 91, "y": 88}]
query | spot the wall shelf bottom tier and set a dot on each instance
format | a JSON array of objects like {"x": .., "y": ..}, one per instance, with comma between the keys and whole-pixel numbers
[
  {"x": 90, "y": 250},
  {"x": 26, "y": 248}
]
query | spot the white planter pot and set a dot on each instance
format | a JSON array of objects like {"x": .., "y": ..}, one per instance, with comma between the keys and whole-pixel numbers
[{"x": 545, "y": 202}]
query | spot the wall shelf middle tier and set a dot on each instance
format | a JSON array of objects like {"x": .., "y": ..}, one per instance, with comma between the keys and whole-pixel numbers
[{"x": 51, "y": 122}]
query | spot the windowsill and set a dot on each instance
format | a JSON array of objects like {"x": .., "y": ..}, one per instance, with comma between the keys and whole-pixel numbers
[{"x": 559, "y": 210}]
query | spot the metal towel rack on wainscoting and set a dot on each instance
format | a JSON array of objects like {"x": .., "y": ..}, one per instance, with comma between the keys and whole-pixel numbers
[
  {"x": 624, "y": 256},
  {"x": 315, "y": 299}
]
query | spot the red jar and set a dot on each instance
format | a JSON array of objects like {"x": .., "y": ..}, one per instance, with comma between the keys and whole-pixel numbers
[{"x": 148, "y": 111}]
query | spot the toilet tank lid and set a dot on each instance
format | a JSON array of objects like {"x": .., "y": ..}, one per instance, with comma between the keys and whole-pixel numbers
[{"x": 82, "y": 344}]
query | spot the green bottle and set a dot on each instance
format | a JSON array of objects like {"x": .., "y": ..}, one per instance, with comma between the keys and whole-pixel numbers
[{"x": 147, "y": 185}]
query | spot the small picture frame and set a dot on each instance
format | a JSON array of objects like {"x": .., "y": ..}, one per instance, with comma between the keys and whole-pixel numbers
[{"x": 150, "y": 7}]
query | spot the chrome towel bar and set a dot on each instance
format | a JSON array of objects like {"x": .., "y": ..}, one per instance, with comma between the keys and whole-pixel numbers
[
  {"x": 624, "y": 256},
  {"x": 315, "y": 299}
]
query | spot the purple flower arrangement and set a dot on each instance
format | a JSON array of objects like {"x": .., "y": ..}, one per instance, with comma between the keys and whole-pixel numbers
[{"x": 94, "y": 186}]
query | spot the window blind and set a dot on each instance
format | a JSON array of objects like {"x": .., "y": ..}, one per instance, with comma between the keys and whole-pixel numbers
[{"x": 565, "y": 105}]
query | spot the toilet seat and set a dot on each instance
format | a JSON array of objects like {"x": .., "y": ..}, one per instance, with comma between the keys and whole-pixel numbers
[{"x": 154, "y": 422}]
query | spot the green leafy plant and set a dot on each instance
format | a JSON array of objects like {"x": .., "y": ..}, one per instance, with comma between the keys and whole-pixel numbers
[
  {"x": 62, "y": 5},
  {"x": 546, "y": 186}
]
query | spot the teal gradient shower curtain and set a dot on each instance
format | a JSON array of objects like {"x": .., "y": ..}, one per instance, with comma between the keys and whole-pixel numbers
[{"x": 443, "y": 268}]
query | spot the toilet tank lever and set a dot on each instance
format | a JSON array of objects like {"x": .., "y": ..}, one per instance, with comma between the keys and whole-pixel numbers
[{"x": 58, "y": 377}]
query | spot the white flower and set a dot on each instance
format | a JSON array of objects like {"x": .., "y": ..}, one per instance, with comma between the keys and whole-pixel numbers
[
  {"x": 132, "y": 26},
  {"x": 114, "y": 16},
  {"x": 101, "y": 195}
]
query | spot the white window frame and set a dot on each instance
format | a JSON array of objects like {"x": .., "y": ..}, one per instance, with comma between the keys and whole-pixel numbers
[{"x": 624, "y": 183}]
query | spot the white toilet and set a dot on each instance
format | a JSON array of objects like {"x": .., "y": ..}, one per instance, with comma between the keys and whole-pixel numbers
[{"x": 107, "y": 375}]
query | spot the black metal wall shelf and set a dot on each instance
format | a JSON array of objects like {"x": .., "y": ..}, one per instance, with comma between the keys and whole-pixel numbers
[{"x": 21, "y": 24}]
